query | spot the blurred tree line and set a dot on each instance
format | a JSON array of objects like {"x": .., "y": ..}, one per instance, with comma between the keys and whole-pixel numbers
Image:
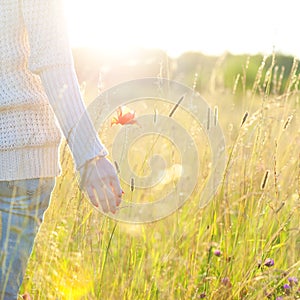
[{"x": 227, "y": 73}]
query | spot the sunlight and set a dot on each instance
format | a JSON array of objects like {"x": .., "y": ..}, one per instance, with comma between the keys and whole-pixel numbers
[
  {"x": 121, "y": 25},
  {"x": 211, "y": 27}
]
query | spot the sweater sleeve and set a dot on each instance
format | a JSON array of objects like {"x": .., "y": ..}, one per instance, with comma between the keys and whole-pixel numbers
[
  {"x": 65, "y": 98},
  {"x": 51, "y": 58}
]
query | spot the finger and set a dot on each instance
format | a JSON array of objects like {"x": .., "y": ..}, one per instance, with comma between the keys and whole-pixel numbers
[
  {"x": 117, "y": 190},
  {"x": 112, "y": 203},
  {"x": 118, "y": 201},
  {"x": 100, "y": 191},
  {"x": 92, "y": 196},
  {"x": 104, "y": 205},
  {"x": 115, "y": 184},
  {"x": 106, "y": 197},
  {"x": 110, "y": 198}
]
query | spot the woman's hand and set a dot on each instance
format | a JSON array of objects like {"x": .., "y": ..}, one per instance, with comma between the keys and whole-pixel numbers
[{"x": 100, "y": 181}]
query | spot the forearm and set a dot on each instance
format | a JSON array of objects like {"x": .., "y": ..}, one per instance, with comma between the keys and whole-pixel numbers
[{"x": 64, "y": 95}]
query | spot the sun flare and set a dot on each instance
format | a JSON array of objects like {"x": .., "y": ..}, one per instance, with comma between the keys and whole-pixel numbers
[
  {"x": 211, "y": 27},
  {"x": 122, "y": 25}
]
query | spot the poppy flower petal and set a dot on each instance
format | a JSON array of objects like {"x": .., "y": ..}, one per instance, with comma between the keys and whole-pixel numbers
[{"x": 124, "y": 116}]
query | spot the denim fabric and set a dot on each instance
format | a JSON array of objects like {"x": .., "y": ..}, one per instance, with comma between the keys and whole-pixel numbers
[{"x": 22, "y": 207}]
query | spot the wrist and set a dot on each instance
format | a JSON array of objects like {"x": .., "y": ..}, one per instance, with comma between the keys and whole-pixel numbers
[{"x": 102, "y": 154}]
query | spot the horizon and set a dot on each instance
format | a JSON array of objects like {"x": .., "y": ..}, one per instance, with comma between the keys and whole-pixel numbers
[{"x": 134, "y": 50}]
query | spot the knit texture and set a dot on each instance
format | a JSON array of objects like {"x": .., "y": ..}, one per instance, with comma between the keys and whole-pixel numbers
[{"x": 38, "y": 84}]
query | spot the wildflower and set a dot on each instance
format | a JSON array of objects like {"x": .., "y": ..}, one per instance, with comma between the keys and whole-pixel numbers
[
  {"x": 217, "y": 252},
  {"x": 125, "y": 116},
  {"x": 293, "y": 281},
  {"x": 287, "y": 289},
  {"x": 279, "y": 298},
  {"x": 269, "y": 262},
  {"x": 226, "y": 281},
  {"x": 202, "y": 295}
]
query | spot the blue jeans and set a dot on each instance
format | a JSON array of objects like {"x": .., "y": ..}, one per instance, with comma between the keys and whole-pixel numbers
[{"x": 22, "y": 207}]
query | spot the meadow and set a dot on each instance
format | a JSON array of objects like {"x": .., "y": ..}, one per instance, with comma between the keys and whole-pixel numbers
[{"x": 244, "y": 244}]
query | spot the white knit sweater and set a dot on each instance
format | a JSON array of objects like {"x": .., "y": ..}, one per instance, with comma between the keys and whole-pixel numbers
[{"x": 36, "y": 69}]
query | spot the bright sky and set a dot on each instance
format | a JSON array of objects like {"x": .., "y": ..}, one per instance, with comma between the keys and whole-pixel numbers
[{"x": 210, "y": 26}]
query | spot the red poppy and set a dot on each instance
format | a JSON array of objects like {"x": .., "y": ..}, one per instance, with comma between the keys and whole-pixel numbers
[{"x": 125, "y": 116}]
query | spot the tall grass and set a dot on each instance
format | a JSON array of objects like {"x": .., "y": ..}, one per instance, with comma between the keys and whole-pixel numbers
[{"x": 223, "y": 251}]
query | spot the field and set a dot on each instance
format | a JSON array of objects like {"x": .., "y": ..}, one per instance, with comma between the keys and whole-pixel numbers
[{"x": 244, "y": 244}]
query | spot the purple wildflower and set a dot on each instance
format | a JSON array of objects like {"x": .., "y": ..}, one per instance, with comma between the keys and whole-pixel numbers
[
  {"x": 293, "y": 281},
  {"x": 287, "y": 288},
  {"x": 269, "y": 262},
  {"x": 217, "y": 252},
  {"x": 226, "y": 281},
  {"x": 202, "y": 295}
]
